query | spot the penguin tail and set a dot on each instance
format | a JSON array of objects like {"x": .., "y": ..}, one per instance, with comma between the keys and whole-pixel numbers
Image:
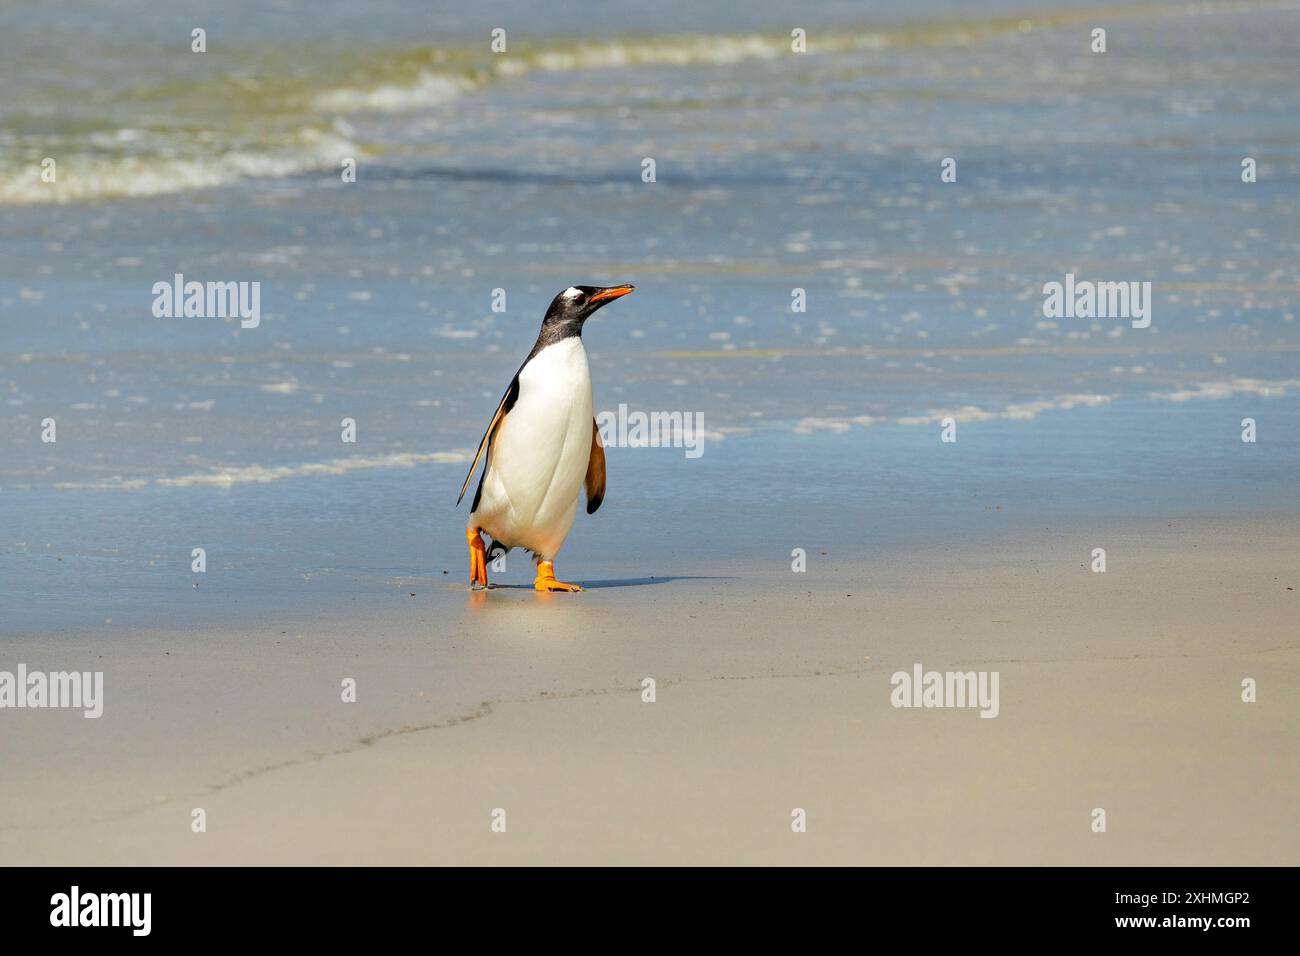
[{"x": 494, "y": 549}]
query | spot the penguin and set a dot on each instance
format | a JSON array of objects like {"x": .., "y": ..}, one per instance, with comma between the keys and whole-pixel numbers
[{"x": 541, "y": 447}]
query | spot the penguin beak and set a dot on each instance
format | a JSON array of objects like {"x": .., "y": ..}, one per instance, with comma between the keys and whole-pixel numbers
[{"x": 613, "y": 292}]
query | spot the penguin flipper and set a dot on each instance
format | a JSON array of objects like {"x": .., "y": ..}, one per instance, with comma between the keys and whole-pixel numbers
[
  {"x": 507, "y": 402},
  {"x": 595, "y": 480}
]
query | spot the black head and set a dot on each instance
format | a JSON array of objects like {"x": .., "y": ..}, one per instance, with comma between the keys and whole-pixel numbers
[
  {"x": 572, "y": 307},
  {"x": 576, "y": 305}
]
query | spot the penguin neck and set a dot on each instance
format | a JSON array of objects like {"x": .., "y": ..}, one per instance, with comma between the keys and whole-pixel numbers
[{"x": 553, "y": 332}]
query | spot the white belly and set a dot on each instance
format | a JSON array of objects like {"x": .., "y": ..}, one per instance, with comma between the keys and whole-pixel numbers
[{"x": 539, "y": 455}]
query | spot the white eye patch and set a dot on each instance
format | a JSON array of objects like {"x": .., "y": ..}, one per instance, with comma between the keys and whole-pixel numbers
[{"x": 572, "y": 293}]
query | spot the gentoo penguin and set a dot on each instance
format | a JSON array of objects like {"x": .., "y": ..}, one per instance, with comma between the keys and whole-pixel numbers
[{"x": 541, "y": 446}]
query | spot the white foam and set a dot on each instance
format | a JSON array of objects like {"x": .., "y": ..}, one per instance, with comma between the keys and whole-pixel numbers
[
  {"x": 807, "y": 426},
  {"x": 431, "y": 88},
  {"x": 1026, "y": 411},
  {"x": 98, "y": 177},
  {"x": 428, "y": 89},
  {"x": 1020, "y": 411},
  {"x": 259, "y": 474},
  {"x": 1229, "y": 388}
]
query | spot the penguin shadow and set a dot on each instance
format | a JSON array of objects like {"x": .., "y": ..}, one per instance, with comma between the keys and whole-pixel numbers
[
  {"x": 609, "y": 583},
  {"x": 645, "y": 582}
]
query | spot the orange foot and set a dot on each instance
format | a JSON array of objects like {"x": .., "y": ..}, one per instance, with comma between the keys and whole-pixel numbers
[
  {"x": 546, "y": 579},
  {"x": 477, "y": 559}
]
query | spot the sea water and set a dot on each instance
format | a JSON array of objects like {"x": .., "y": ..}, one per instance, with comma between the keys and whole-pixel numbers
[{"x": 841, "y": 267}]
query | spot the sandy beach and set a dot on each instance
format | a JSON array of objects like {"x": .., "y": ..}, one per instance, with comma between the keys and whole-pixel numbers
[{"x": 1119, "y": 691}]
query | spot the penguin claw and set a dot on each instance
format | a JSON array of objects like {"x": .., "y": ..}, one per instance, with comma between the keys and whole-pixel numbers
[
  {"x": 553, "y": 585},
  {"x": 546, "y": 579}
]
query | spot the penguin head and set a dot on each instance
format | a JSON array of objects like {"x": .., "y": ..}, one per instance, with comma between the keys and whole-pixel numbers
[{"x": 576, "y": 304}]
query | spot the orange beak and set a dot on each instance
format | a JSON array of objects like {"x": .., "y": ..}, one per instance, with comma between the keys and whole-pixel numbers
[{"x": 613, "y": 292}]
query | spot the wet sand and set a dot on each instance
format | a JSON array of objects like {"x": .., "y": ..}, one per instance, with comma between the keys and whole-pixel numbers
[{"x": 1119, "y": 691}]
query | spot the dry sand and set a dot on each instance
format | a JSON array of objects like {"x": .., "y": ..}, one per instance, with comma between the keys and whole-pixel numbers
[{"x": 1119, "y": 691}]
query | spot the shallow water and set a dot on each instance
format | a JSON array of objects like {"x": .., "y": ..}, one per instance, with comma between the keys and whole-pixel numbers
[
  {"x": 302, "y": 549},
  {"x": 522, "y": 172}
]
